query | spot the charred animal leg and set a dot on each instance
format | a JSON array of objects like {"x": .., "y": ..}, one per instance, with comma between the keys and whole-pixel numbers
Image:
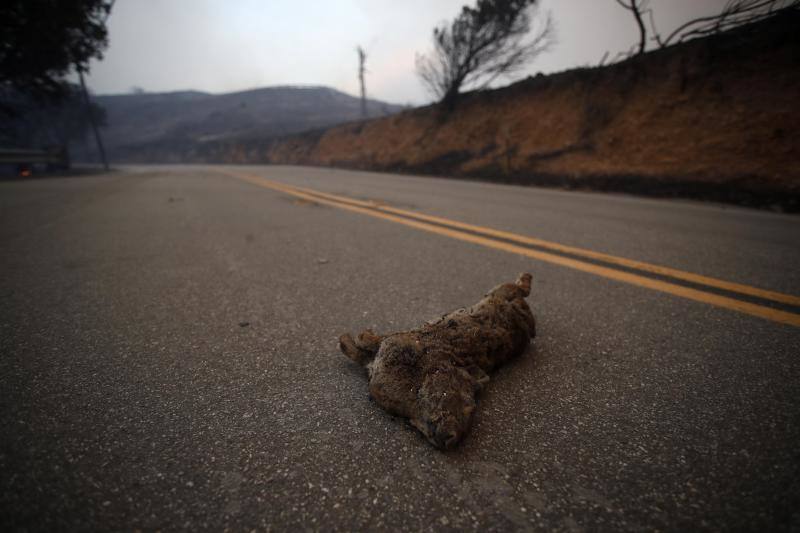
[
  {"x": 510, "y": 291},
  {"x": 524, "y": 284},
  {"x": 362, "y": 350}
]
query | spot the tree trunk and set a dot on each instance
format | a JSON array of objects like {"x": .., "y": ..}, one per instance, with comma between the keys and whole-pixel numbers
[
  {"x": 642, "y": 30},
  {"x": 90, "y": 116},
  {"x": 450, "y": 98}
]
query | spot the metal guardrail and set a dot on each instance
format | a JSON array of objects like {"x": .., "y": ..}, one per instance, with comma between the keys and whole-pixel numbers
[{"x": 24, "y": 159}]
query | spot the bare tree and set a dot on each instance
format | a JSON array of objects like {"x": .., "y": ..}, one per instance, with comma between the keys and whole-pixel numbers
[
  {"x": 494, "y": 38},
  {"x": 638, "y": 8},
  {"x": 735, "y": 13}
]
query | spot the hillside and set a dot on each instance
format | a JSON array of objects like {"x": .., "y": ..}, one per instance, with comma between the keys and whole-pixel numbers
[
  {"x": 171, "y": 122},
  {"x": 714, "y": 118}
]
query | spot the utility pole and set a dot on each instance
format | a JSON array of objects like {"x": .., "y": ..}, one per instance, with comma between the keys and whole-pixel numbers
[
  {"x": 90, "y": 115},
  {"x": 362, "y": 58}
]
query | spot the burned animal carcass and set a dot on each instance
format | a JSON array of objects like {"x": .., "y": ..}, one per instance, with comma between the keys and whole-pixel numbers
[{"x": 432, "y": 375}]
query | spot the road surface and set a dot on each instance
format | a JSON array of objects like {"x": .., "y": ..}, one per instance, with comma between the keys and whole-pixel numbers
[{"x": 168, "y": 355}]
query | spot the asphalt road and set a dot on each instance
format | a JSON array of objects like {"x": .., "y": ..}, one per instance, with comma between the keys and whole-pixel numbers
[{"x": 168, "y": 359}]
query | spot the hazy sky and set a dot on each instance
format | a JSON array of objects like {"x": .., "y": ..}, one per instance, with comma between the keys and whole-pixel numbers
[{"x": 229, "y": 45}]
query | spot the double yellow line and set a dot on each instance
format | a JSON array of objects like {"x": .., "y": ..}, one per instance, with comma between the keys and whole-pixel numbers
[{"x": 577, "y": 259}]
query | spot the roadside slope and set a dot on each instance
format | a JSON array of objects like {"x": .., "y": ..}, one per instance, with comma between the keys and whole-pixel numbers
[{"x": 713, "y": 118}]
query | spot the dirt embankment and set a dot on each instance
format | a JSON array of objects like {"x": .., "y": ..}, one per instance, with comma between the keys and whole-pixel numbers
[{"x": 713, "y": 118}]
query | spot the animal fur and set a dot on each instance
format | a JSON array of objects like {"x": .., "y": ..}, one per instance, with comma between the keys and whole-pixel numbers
[{"x": 432, "y": 375}]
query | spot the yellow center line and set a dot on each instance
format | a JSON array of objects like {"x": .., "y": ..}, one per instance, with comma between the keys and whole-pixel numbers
[
  {"x": 582, "y": 252},
  {"x": 378, "y": 211}
]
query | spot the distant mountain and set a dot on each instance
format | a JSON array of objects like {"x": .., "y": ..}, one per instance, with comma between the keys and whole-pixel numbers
[{"x": 137, "y": 123}]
